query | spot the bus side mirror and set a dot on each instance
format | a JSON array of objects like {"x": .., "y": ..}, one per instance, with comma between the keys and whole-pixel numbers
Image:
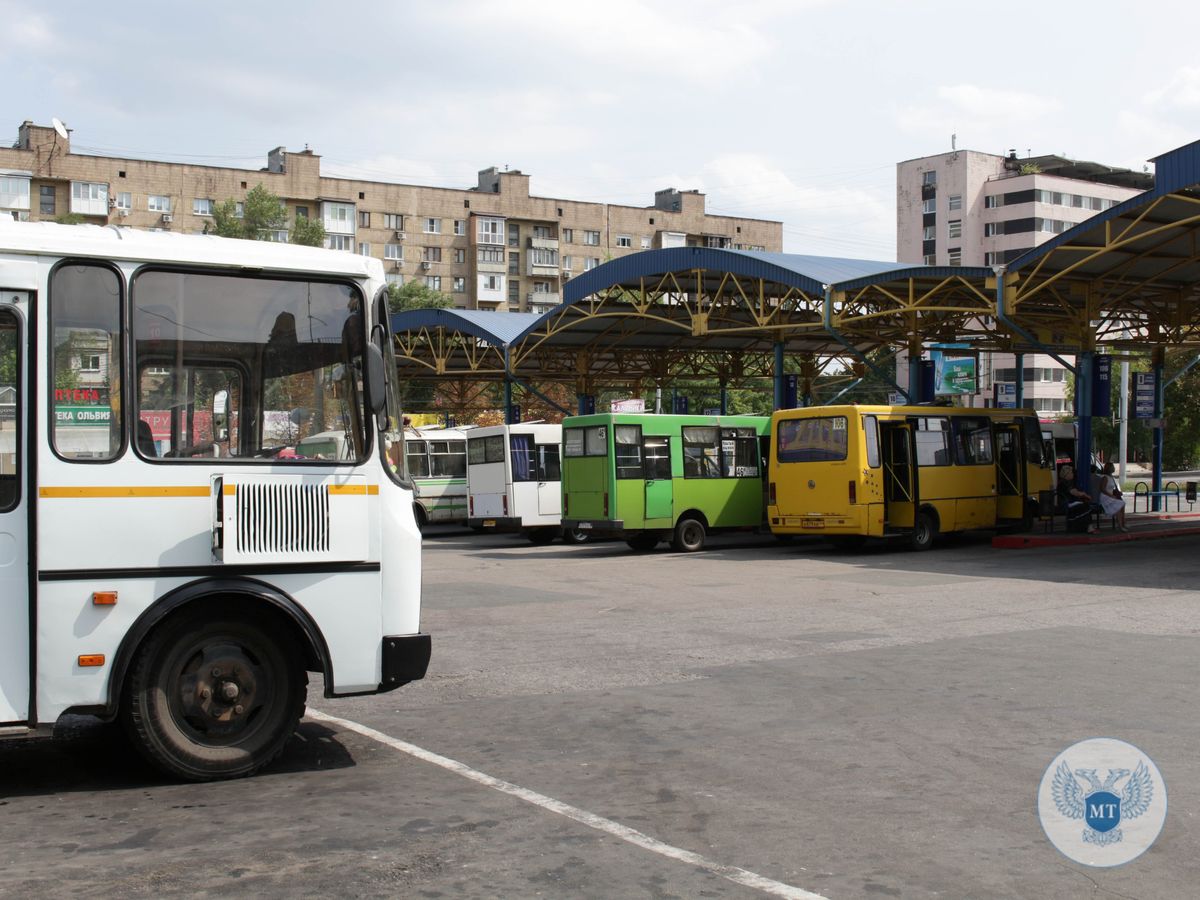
[
  {"x": 376, "y": 382},
  {"x": 220, "y": 415}
]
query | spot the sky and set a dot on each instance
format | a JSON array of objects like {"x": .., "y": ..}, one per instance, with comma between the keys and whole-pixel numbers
[{"x": 791, "y": 110}]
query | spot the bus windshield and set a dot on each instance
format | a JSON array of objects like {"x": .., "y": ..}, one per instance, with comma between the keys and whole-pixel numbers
[{"x": 273, "y": 361}]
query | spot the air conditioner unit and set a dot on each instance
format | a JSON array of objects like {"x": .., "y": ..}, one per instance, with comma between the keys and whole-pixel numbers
[
  {"x": 166, "y": 218},
  {"x": 400, "y": 235},
  {"x": 122, "y": 213},
  {"x": 425, "y": 265},
  {"x": 398, "y": 263}
]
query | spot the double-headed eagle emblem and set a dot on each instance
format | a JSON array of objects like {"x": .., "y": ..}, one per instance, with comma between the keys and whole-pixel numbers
[{"x": 1098, "y": 804}]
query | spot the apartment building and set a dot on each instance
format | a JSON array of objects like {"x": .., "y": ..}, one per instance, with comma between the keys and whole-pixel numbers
[
  {"x": 491, "y": 246},
  {"x": 966, "y": 208}
]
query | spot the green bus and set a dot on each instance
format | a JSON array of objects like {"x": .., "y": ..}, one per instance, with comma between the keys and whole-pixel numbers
[{"x": 645, "y": 477}]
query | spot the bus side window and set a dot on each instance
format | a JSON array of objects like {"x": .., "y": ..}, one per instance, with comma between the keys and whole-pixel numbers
[{"x": 871, "y": 432}]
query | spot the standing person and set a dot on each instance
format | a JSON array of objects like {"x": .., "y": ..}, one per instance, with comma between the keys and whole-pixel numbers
[
  {"x": 1111, "y": 500},
  {"x": 1075, "y": 504}
]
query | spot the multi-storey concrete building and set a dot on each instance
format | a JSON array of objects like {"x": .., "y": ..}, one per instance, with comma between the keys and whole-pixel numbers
[
  {"x": 491, "y": 246},
  {"x": 979, "y": 209}
]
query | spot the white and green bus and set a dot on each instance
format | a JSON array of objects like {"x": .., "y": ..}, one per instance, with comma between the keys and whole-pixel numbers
[
  {"x": 436, "y": 462},
  {"x": 645, "y": 478}
]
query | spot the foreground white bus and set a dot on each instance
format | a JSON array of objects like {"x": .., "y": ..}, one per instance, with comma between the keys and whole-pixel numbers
[
  {"x": 436, "y": 461},
  {"x": 161, "y": 561},
  {"x": 514, "y": 481}
]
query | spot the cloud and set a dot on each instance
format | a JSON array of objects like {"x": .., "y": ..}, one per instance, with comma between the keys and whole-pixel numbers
[{"x": 1180, "y": 92}]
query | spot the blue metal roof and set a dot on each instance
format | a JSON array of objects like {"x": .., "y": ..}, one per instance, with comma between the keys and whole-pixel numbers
[{"x": 498, "y": 328}]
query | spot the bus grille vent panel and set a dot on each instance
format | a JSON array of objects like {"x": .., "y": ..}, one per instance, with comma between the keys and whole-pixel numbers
[{"x": 283, "y": 518}]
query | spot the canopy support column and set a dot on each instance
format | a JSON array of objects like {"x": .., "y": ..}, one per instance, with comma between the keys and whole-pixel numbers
[
  {"x": 1159, "y": 359},
  {"x": 1083, "y": 416},
  {"x": 1019, "y": 362},
  {"x": 779, "y": 375}
]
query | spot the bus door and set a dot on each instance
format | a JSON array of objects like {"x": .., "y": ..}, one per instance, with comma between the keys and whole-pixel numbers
[
  {"x": 549, "y": 476},
  {"x": 14, "y": 521},
  {"x": 899, "y": 474},
  {"x": 1010, "y": 473},
  {"x": 656, "y": 466}
]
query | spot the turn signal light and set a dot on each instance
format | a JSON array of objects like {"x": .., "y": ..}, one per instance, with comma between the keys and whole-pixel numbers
[
  {"x": 853, "y": 492},
  {"x": 771, "y": 493},
  {"x": 104, "y": 598},
  {"x": 88, "y": 660},
  {"x": 504, "y": 504}
]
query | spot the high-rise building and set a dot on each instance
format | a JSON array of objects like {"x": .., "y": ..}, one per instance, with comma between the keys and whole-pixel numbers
[
  {"x": 491, "y": 246},
  {"x": 966, "y": 208}
]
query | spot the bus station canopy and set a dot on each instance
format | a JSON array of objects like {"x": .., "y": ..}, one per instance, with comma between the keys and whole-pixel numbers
[{"x": 1127, "y": 276}]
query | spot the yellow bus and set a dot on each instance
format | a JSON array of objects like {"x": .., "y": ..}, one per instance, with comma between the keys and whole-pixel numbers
[{"x": 855, "y": 472}]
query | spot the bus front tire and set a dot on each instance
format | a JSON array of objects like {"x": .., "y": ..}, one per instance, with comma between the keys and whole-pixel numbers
[
  {"x": 541, "y": 536},
  {"x": 924, "y": 531},
  {"x": 689, "y": 535},
  {"x": 214, "y": 693},
  {"x": 643, "y": 542}
]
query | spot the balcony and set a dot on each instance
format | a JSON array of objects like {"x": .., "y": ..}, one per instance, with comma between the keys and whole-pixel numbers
[
  {"x": 500, "y": 268},
  {"x": 542, "y": 270},
  {"x": 543, "y": 244},
  {"x": 542, "y": 300}
]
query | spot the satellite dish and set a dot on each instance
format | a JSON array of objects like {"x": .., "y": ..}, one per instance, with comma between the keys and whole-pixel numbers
[{"x": 59, "y": 127}]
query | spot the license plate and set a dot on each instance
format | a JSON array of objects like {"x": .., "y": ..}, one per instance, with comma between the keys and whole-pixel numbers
[
  {"x": 489, "y": 523},
  {"x": 812, "y": 523},
  {"x": 584, "y": 526}
]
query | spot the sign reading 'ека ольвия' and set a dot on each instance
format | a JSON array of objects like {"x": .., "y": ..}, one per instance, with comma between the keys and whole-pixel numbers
[{"x": 82, "y": 415}]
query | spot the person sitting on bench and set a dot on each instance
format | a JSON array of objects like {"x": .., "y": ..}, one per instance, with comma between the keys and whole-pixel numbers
[
  {"x": 1110, "y": 497},
  {"x": 1075, "y": 504}
]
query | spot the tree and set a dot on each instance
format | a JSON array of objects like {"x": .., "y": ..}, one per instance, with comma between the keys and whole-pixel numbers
[
  {"x": 307, "y": 232},
  {"x": 415, "y": 295}
]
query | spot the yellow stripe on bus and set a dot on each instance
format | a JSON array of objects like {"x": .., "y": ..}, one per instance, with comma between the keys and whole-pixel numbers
[
  {"x": 359, "y": 489},
  {"x": 80, "y": 492}
]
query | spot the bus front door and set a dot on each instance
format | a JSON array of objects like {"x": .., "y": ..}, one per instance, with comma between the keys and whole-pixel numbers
[
  {"x": 14, "y": 521},
  {"x": 899, "y": 475},
  {"x": 656, "y": 463},
  {"x": 1010, "y": 473}
]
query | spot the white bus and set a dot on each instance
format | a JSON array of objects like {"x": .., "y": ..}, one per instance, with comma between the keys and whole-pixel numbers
[
  {"x": 161, "y": 561},
  {"x": 514, "y": 481},
  {"x": 436, "y": 462}
]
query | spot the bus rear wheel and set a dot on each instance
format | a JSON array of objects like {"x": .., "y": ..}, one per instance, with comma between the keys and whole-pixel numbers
[
  {"x": 689, "y": 535},
  {"x": 924, "y": 531},
  {"x": 214, "y": 693},
  {"x": 575, "y": 536}
]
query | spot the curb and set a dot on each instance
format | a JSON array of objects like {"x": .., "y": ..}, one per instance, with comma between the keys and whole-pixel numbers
[{"x": 1030, "y": 541}]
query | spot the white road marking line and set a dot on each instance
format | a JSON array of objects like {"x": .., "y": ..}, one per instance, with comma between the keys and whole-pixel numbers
[{"x": 608, "y": 826}]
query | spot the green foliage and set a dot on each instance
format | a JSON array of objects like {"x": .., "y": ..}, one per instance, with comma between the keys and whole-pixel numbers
[
  {"x": 415, "y": 295},
  {"x": 307, "y": 232},
  {"x": 263, "y": 213},
  {"x": 70, "y": 219}
]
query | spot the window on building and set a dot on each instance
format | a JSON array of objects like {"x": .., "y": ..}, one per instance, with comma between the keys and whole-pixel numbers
[
  {"x": 14, "y": 192},
  {"x": 992, "y": 229},
  {"x": 239, "y": 210},
  {"x": 930, "y": 259},
  {"x": 47, "y": 201},
  {"x": 514, "y": 264},
  {"x": 645, "y": 242},
  {"x": 460, "y": 255},
  {"x": 458, "y": 285},
  {"x": 490, "y": 255},
  {"x": 460, "y": 227},
  {"x": 514, "y": 235},
  {"x": 590, "y": 263},
  {"x": 158, "y": 203},
  {"x": 540, "y": 256},
  {"x": 514, "y": 293},
  {"x": 954, "y": 228},
  {"x": 566, "y": 264},
  {"x": 301, "y": 212},
  {"x": 393, "y": 221},
  {"x": 431, "y": 254},
  {"x": 929, "y": 206},
  {"x": 393, "y": 251},
  {"x": 991, "y": 258},
  {"x": 339, "y": 242},
  {"x": 954, "y": 256},
  {"x": 433, "y": 226},
  {"x": 995, "y": 201},
  {"x": 591, "y": 238},
  {"x": 364, "y": 219},
  {"x": 930, "y": 232},
  {"x": 493, "y": 282},
  {"x": 433, "y": 282},
  {"x": 954, "y": 201},
  {"x": 489, "y": 231},
  {"x": 280, "y": 237},
  {"x": 624, "y": 240},
  {"x": 202, "y": 207},
  {"x": 568, "y": 235},
  {"x": 928, "y": 178},
  {"x": 89, "y": 198},
  {"x": 542, "y": 232},
  {"x": 364, "y": 249}
]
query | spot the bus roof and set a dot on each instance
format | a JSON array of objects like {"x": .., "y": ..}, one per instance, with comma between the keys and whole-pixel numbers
[
  {"x": 881, "y": 410},
  {"x": 121, "y": 243}
]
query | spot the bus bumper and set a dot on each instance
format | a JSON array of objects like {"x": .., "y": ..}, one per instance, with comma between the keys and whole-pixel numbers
[
  {"x": 597, "y": 527},
  {"x": 405, "y": 659},
  {"x": 495, "y": 523}
]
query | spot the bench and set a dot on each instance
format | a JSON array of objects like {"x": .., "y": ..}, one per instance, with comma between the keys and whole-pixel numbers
[{"x": 1170, "y": 489}]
